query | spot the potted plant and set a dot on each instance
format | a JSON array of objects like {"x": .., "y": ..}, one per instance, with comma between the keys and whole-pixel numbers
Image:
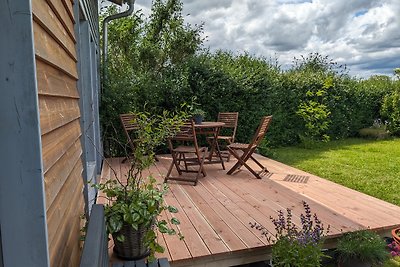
[
  {"x": 362, "y": 248},
  {"x": 133, "y": 206},
  {"x": 296, "y": 246},
  {"x": 198, "y": 115},
  {"x": 396, "y": 235}
]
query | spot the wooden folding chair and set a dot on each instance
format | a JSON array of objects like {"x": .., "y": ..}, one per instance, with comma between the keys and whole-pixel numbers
[
  {"x": 127, "y": 121},
  {"x": 185, "y": 154},
  {"x": 228, "y": 131},
  {"x": 129, "y": 125},
  {"x": 248, "y": 149}
]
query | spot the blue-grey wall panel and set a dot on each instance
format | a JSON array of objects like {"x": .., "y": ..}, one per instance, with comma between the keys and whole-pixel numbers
[{"x": 22, "y": 203}]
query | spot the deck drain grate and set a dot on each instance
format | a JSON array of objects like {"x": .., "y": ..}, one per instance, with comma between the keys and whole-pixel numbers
[
  {"x": 266, "y": 174},
  {"x": 296, "y": 178}
]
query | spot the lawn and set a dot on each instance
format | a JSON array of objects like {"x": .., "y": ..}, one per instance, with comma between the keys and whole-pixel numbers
[{"x": 368, "y": 166}]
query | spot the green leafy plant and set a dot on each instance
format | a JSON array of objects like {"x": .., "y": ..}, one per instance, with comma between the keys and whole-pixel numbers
[
  {"x": 315, "y": 114},
  {"x": 138, "y": 201},
  {"x": 393, "y": 262},
  {"x": 391, "y": 111},
  {"x": 296, "y": 246},
  {"x": 198, "y": 112},
  {"x": 363, "y": 245}
]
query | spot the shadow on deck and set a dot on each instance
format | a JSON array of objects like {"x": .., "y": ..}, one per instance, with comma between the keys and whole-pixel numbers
[{"x": 215, "y": 214}]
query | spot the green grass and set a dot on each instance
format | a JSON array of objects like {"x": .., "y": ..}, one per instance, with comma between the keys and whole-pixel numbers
[{"x": 368, "y": 166}]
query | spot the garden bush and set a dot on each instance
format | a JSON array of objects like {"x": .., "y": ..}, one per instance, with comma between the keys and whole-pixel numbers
[{"x": 158, "y": 63}]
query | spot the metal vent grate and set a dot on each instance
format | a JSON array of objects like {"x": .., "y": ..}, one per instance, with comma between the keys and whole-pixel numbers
[
  {"x": 266, "y": 175},
  {"x": 296, "y": 178}
]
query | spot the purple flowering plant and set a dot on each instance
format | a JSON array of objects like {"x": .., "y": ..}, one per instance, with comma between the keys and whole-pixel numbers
[
  {"x": 394, "y": 249},
  {"x": 296, "y": 245}
]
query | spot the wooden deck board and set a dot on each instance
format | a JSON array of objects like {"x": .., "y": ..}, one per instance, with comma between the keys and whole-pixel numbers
[{"x": 215, "y": 214}]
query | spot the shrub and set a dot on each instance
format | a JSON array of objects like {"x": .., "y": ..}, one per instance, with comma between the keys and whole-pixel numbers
[
  {"x": 315, "y": 114},
  {"x": 364, "y": 245},
  {"x": 294, "y": 246},
  {"x": 391, "y": 111}
]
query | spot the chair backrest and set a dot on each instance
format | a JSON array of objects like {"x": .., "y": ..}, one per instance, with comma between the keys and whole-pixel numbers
[
  {"x": 231, "y": 121},
  {"x": 261, "y": 131},
  {"x": 129, "y": 125},
  {"x": 187, "y": 134}
]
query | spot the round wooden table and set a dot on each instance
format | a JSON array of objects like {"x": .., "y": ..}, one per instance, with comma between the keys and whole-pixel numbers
[{"x": 212, "y": 128}]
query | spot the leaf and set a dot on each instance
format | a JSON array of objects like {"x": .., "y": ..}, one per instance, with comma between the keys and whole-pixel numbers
[
  {"x": 120, "y": 238},
  {"x": 172, "y": 209},
  {"x": 175, "y": 221}
]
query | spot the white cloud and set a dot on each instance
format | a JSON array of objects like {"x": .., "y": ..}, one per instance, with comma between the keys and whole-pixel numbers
[{"x": 365, "y": 35}]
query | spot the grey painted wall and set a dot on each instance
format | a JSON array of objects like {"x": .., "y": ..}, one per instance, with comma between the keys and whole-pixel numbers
[
  {"x": 22, "y": 205},
  {"x": 89, "y": 87}
]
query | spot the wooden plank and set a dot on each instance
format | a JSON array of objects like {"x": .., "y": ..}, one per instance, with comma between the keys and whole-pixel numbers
[
  {"x": 233, "y": 203},
  {"x": 197, "y": 220},
  {"x": 362, "y": 202},
  {"x": 240, "y": 229},
  {"x": 351, "y": 203},
  {"x": 70, "y": 9},
  {"x": 53, "y": 82},
  {"x": 337, "y": 222},
  {"x": 180, "y": 250},
  {"x": 218, "y": 223},
  {"x": 57, "y": 142},
  {"x": 67, "y": 235},
  {"x": 45, "y": 17},
  {"x": 71, "y": 253},
  {"x": 105, "y": 175},
  {"x": 270, "y": 197},
  {"x": 62, "y": 14},
  {"x": 209, "y": 235},
  {"x": 47, "y": 49},
  {"x": 251, "y": 212},
  {"x": 56, "y": 112},
  {"x": 66, "y": 203},
  {"x": 55, "y": 178},
  {"x": 193, "y": 240},
  {"x": 356, "y": 211}
]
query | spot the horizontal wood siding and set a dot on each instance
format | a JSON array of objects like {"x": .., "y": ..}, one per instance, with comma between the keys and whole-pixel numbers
[{"x": 57, "y": 76}]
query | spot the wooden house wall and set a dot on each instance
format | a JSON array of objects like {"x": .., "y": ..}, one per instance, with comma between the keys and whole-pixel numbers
[{"x": 57, "y": 76}]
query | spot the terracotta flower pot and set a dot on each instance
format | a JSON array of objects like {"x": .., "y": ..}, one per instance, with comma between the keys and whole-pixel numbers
[{"x": 395, "y": 235}]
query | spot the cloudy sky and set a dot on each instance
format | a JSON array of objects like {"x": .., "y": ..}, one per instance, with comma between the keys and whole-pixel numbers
[{"x": 363, "y": 34}]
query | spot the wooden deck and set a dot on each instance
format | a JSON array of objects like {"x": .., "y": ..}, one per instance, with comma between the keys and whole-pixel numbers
[{"x": 215, "y": 214}]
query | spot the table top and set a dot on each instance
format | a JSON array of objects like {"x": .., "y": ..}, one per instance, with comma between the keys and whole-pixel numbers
[{"x": 209, "y": 124}]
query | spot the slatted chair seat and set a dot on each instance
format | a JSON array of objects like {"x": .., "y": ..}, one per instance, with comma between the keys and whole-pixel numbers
[
  {"x": 238, "y": 146},
  {"x": 187, "y": 156},
  {"x": 185, "y": 149},
  {"x": 243, "y": 152}
]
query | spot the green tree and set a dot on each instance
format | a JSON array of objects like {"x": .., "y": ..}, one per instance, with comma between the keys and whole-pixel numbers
[{"x": 147, "y": 64}]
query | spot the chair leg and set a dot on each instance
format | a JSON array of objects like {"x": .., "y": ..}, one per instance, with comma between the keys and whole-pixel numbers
[
  {"x": 251, "y": 170},
  {"x": 237, "y": 164},
  {"x": 169, "y": 170},
  {"x": 201, "y": 166},
  {"x": 259, "y": 164},
  {"x": 242, "y": 162},
  {"x": 176, "y": 160}
]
